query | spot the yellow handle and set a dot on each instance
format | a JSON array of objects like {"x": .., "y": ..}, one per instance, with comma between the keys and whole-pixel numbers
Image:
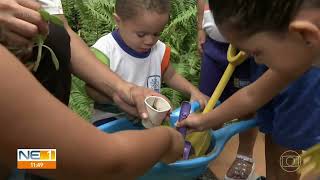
[
  {"x": 234, "y": 60},
  {"x": 311, "y": 160},
  {"x": 234, "y": 57}
]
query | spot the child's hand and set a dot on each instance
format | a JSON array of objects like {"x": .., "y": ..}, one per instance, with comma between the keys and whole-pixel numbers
[
  {"x": 199, "y": 122},
  {"x": 194, "y": 122},
  {"x": 198, "y": 96}
]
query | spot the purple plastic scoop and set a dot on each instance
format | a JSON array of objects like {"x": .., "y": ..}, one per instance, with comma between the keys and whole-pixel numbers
[
  {"x": 187, "y": 150},
  {"x": 184, "y": 113}
]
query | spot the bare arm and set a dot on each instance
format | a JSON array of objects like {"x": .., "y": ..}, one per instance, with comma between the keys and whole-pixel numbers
[
  {"x": 33, "y": 118},
  {"x": 250, "y": 98},
  {"x": 128, "y": 97},
  {"x": 201, "y": 37},
  {"x": 179, "y": 83},
  {"x": 97, "y": 96},
  {"x": 200, "y": 10},
  {"x": 21, "y": 23},
  {"x": 246, "y": 100},
  {"x": 257, "y": 94},
  {"x": 81, "y": 57}
]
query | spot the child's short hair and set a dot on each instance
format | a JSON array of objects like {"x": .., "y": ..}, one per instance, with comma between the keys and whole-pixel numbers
[
  {"x": 252, "y": 16},
  {"x": 128, "y": 9}
]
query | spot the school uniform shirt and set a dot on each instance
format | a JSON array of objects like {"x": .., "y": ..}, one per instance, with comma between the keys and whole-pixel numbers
[
  {"x": 143, "y": 69},
  {"x": 292, "y": 117}
]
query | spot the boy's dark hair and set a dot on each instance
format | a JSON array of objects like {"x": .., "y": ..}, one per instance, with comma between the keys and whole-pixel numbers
[
  {"x": 128, "y": 9},
  {"x": 252, "y": 16}
]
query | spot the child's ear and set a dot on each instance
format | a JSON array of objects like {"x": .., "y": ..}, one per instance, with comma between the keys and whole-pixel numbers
[
  {"x": 117, "y": 19},
  {"x": 309, "y": 31}
]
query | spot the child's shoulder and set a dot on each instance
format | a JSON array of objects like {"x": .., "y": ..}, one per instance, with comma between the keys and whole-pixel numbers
[
  {"x": 160, "y": 43},
  {"x": 104, "y": 39},
  {"x": 105, "y": 43},
  {"x": 160, "y": 46}
]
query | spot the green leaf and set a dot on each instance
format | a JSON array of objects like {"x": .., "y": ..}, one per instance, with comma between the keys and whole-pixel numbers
[
  {"x": 39, "y": 41},
  {"x": 45, "y": 15},
  {"x": 174, "y": 51},
  {"x": 50, "y": 18},
  {"x": 56, "y": 20},
  {"x": 53, "y": 57},
  {"x": 100, "y": 56},
  {"x": 79, "y": 101}
]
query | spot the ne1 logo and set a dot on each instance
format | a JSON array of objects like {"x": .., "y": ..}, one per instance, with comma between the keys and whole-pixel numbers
[{"x": 36, "y": 158}]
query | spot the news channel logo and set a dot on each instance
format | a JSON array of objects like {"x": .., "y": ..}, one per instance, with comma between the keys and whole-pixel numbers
[
  {"x": 36, "y": 158},
  {"x": 290, "y": 161}
]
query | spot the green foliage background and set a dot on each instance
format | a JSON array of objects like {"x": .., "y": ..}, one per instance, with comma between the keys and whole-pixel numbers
[{"x": 91, "y": 19}]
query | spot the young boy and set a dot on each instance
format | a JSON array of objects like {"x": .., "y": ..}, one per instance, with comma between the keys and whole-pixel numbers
[
  {"x": 285, "y": 36},
  {"x": 213, "y": 48},
  {"x": 136, "y": 54}
]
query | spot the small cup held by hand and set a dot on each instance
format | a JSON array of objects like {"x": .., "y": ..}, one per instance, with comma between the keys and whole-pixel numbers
[{"x": 157, "y": 109}]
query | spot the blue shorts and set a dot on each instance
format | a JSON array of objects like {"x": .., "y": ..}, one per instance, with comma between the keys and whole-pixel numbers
[
  {"x": 293, "y": 117},
  {"x": 214, "y": 63}
]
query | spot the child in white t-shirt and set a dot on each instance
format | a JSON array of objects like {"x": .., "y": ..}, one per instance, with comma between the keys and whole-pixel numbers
[{"x": 136, "y": 54}]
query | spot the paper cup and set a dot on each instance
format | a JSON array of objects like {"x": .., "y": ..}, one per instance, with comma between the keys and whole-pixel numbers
[{"x": 157, "y": 109}]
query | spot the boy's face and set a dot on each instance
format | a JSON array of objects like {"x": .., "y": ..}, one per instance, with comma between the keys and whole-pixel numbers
[
  {"x": 287, "y": 52},
  {"x": 142, "y": 32}
]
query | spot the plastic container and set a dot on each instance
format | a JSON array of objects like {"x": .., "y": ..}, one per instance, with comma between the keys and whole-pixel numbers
[{"x": 184, "y": 169}]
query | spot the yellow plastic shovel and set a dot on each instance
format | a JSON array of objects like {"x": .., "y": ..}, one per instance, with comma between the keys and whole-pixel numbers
[
  {"x": 201, "y": 140},
  {"x": 311, "y": 160},
  {"x": 235, "y": 58}
]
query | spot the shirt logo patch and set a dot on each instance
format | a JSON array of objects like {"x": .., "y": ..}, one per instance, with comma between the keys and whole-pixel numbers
[
  {"x": 154, "y": 83},
  {"x": 240, "y": 83}
]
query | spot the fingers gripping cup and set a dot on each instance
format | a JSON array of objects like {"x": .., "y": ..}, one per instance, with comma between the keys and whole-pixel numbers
[{"x": 157, "y": 109}]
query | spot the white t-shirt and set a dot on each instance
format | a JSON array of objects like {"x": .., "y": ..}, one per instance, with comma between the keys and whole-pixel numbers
[
  {"x": 210, "y": 27},
  {"x": 142, "y": 69},
  {"x": 52, "y": 6}
]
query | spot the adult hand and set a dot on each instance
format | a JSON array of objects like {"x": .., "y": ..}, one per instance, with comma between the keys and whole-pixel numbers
[
  {"x": 20, "y": 22},
  {"x": 131, "y": 99},
  {"x": 175, "y": 151}
]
